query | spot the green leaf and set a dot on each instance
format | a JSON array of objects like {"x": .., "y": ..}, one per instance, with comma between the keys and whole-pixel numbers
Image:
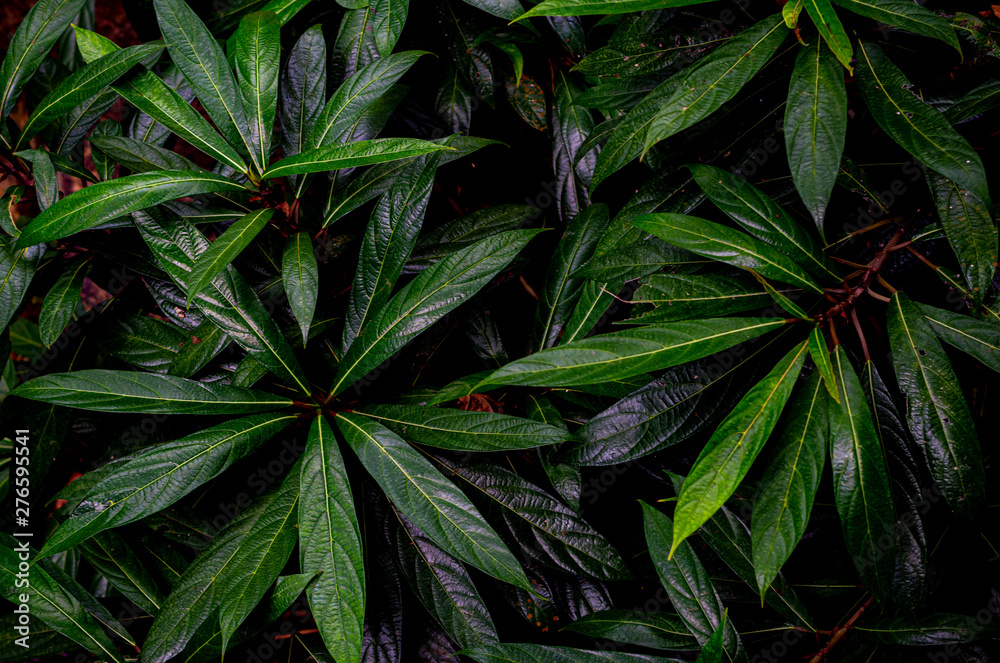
[
  {"x": 791, "y": 477},
  {"x": 716, "y": 78},
  {"x": 684, "y": 296},
  {"x": 160, "y": 103},
  {"x": 977, "y": 338},
  {"x": 139, "y": 156},
  {"x": 600, "y": 7},
  {"x": 260, "y": 557},
  {"x": 196, "y": 53},
  {"x": 510, "y": 652},
  {"x": 905, "y": 15},
  {"x": 388, "y": 22},
  {"x": 30, "y": 46},
  {"x": 928, "y": 630},
  {"x": 936, "y": 411},
  {"x": 566, "y": 539},
  {"x": 971, "y": 234},
  {"x": 61, "y": 301},
  {"x": 629, "y": 137},
  {"x": 115, "y": 559},
  {"x": 714, "y": 650},
  {"x": 425, "y": 300},
  {"x": 55, "y": 605},
  {"x": 919, "y": 129},
  {"x": 815, "y": 127},
  {"x": 760, "y": 216},
  {"x": 198, "y": 348},
  {"x": 302, "y": 90},
  {"x": 221, "y": 253},
  {"x": 727, "y": 245},
  {"x": 286, "y": 590},
  {"x": 571, "y": 125},
  {"x": 464, "y": 430},
  {"x": 126, "y": 391},
  {"x": 144, "y": 342},
  {"x": 104, "y": 201},
  {"x": 330, "y": 543},
  {"x": 562, "y": 288},
  {"x": 687, "y": 583},
  {"x": 195, "y": 596},
  {"x": 92, "y": 45},
  {"x": 821, "y": 358},
  {"x": 657, "y": 630},
  {"x": 258, "y": 49},
  {"x": 228, "y": 301},
  {"x": 443, "y": 586},
  {"x": 528, "y": 99},
  {"x": 300, "y": 274},
  {"x": 467, "y": 230},
  {"x": 831, "y": 29},
  {"x": 44, "y": 174},
  {"x": 628, "y": 353},
  {"x": 734, "y": 446},
  {"x": 153, "y": 479},
  {"x": 104, "y": 164},
  {"x": 388, "y": 240},
  {"x": 350, "y": 155},
  {"x": 82, "y": 84},
  {"x": 429, "y": 500},
  {"x": 861, "y": 482},
  {"x": 976, "y": 102}
]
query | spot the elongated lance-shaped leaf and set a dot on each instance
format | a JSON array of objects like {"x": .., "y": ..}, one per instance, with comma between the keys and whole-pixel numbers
[
  {"x": 221, "y": 253},
  {"x": 734, "y": 446},
  {"x": 228, "y": 300},
  {"x": 82, "y": 84},
  {"x": 861, "y": 482},
  {"x": 425, "y": 300},
  {"x": 30, "y": 45},
  {"x": 300, "y": 275},
  {"x": 388, "y": 241},
  {"x": 137, "y": 156},
  {"x": 571, "y": 124},
  {"x": 195, "y": 596},
  {"x": 112, "y": 556},
  {"x": 977, "y": 338},
  {"x": 658, "y": 630},
  {"x": 516, "y": 652},
  {"x": 196, "y": 53},
  {"x": 971, "y": 234},
  {"x": 330, "y": 544},
  {"x": 153, "y": 479},
  {"x": 921, "y": 130},
  {"x": 17, "y": 268},
  {"x": 600, "y": 7},
  {"x": 685, "y": 296},
  {"x": 61, "y": 301},
  {"x": 104, "y": 201},
  {"x": 733, "y": 247},
  {"x": 258, "y": 49},
  {"x": 104, "y": 390},
  {"x": 442, "y": 584},
  {"x": 936, "y": 411},
  {"x": 54, "y": 605},
  {"x": 302, "y": 90},
  {"x": 821, "y": 358},
  {"x": 463, "y": 430},
  {"x": 562, "y": 289},
  {"x": 905, "y": 15},
  {"x": 815, "y": 127},
  {"x": 715, "y": 79},
  {"x": 429, "y": 500},
  {"x": 162, "y": 104},
  {"x": 760, "y": 216},
  {"x": 625, "y": 354},
  {"x": 687, "y": 583},
  {"x": 43, "y": 173},
  {"x": 791, "y": 477},
  {"x": 824, "y": 17},
  {"x": 260, "y": 557},
  {"x": 566, "y": 539},
  {"x": 350, "y": 155}
]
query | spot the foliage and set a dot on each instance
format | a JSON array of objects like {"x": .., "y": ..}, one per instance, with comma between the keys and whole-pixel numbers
[{"x": 304, "y": 381}]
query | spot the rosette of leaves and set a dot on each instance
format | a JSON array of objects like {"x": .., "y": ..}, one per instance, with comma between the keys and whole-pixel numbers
[{"x": 301, "y": 403}]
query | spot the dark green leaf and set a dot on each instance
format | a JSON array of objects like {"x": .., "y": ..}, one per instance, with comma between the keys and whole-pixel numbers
[
  {"x": 388, "y": 21},
  {"x": 929, "y": 630},
  {"x": 144, "y": 342},
  {"x": 302, "y": 90},
  {"x": 906, "y": 15},
  {"x": 683, "y": 296},
  {"x": 600, "y": 7},
  {"x": 258, "y": 49},
  {"x": 44, "y": 175},
  {"x": 115, "y": 559},
  {"x": 138, "y": 156},
  {"x": 936, "y": 410},
  {"x": 658, "y": 630},
  {"x": 61, "y": 301},
  {"x": 221, "y": 253},
  {"x": 300, "y": 274},
  {"x": 350, "y": 155},
  {"x": 529, "y": 653},
  {"x": 977, "y": 338}
]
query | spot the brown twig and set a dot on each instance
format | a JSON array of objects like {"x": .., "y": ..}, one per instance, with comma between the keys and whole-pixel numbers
[{"x": 839, "y": 633}]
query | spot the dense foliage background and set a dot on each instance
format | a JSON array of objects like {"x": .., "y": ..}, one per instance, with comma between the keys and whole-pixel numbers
[{"x": 621, "y": 330}]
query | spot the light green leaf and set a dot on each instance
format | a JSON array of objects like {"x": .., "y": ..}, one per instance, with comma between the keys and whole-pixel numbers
[
  {"x": 831, "y": 29},
  {"x": 224, "y": 250},
  {"x": 821, "y": 358},
  {"x": 330, "y": 544},
  {"x": 733, "y": 447},
  {"x": 429, "y": 500}
]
